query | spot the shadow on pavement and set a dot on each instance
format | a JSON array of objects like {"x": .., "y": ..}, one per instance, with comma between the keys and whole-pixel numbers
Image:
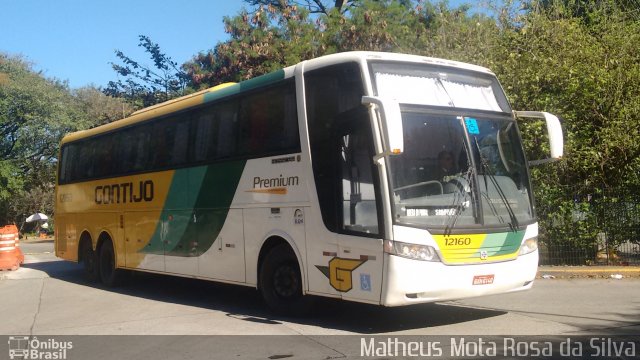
[
  {"x": 246, "y": 304},
  {"x": 630, "y": 326}
]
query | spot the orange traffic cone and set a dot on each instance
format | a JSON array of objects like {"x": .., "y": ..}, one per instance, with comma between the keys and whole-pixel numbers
[{"x": 11, "y": 255}]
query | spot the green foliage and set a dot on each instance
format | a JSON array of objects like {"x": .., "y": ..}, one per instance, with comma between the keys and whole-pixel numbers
[
  {"x": 586, "y": 74},
  {"x": 260, "y": 42},
  {"x": 313, "y": 6},
  {"x": 35, "y": 113},
  {"x": 372, "y": 26},
  {"x": 580, "y": 61},
  {"x": 11, "y": 180},
  {"x": 100, "y": 108},
  {"x": 143, "y": 85}
]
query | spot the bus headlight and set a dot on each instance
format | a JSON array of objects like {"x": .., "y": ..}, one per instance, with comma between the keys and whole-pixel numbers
[
  {"x": 411, "y": 251},
  {"x": 529, "y": 246}
]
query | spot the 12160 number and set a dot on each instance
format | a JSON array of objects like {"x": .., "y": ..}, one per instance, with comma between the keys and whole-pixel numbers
[{"x": 453, "y": 241}]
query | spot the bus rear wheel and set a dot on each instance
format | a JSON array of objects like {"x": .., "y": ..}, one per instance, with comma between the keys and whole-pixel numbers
[
  {"x": 89, "y": 262},
  {"x": 281, "y": 282},
  {"x": 107, "y": 264}
]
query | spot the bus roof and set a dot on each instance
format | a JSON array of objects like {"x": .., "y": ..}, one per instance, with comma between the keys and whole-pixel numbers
[
  {"x": 228, "y": 89},
  {"x": 184, "y": 102},
  {"x": 387, "y": 56}
]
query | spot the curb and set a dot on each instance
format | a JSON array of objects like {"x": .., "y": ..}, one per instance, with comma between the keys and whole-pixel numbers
[
  {"x": 36, "y": 241},
  {"x": 603, "y": 272}
]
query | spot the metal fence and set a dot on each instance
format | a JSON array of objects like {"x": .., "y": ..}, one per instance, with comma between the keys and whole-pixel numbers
[{"x": 600, "y": 228}]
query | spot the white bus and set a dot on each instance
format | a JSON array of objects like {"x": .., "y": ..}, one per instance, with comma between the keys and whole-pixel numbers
[{"x": 379, "y": 178}]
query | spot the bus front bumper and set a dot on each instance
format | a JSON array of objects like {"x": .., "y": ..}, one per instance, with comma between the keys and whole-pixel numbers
[{"x": 413, "y": 281}]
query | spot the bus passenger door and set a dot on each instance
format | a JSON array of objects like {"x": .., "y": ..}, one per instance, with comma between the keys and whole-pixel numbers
[{"x": 360, "y": 241}]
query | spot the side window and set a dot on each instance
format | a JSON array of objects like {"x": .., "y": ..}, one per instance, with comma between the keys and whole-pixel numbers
[
  {"x": 285, "y": 129},
  {"x": 357, "y": 174},
  {"x": 67, "y": 155},
  {"x": 86, "y": 160},
  {"x": 68, "y": 163},
  {"x": 141, "y": 152},
  {"x": 215, "y": 130},
  {"x": 180, "y": 146},
  {"x": 254, "y": 122},
  {"x": 127, "y": 151},
  {"x": 162, "y": 142},
  {"x": 268, "y": 121},
  {"x": 205, "y": 129},
  {"x": 169, "y": 142},
  {"x": 73, "y": 163},
  {"x": 103, "y": 152},
  {"x": 226, "y": 140}
]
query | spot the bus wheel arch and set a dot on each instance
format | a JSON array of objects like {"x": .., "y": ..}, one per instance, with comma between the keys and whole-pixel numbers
[
  {"x": 88, "y": 257},
  {"x": 280, "y": 279},
  {"x": 102, "y": 239}
]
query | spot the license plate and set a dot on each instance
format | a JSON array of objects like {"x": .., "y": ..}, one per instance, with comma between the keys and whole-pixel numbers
[{"x": 483, "y": 279}]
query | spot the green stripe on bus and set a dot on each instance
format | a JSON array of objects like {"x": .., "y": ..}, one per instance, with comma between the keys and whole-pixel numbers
[
  {"x": 175, "y": 215},
  {"x": 246, "y": 85},
  {"x": 212, "y": 207},
  {"x": 502, "y": 243},
  {"x": 189, "y": 225}
]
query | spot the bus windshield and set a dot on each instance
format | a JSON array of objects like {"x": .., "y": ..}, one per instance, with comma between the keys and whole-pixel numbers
[
  {"x": 459, "y": 170},
  {"x": 456, "y": 169}
]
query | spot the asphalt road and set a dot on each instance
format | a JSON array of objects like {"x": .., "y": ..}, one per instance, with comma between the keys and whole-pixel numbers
[{"x": 50, "y": 297}]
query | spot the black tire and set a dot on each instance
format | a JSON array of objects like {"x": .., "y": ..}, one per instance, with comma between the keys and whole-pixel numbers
[
  {"x": 281, "y": 283},
  {"x": 107, "y": 265},
  {"x": 89, "y": 262}
]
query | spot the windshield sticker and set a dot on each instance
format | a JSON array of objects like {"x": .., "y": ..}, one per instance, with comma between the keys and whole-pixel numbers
[{"x": 472, "y": 126}]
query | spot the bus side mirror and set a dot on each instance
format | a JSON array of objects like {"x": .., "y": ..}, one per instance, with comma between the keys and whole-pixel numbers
[
  {"x": 390, "y": 124},
  {"x": 554, "y": 130}
]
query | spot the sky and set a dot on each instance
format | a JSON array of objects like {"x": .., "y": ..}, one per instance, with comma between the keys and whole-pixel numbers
[{"x": 75, "y": 40}]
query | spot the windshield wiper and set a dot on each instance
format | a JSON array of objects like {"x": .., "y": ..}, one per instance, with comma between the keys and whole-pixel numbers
[
  {"x": 486, "y": 170},
  {"x": 457, "y": 204}
]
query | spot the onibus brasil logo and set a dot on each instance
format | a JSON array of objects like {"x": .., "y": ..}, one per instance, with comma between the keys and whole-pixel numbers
[{"x": 25, "y": 347}]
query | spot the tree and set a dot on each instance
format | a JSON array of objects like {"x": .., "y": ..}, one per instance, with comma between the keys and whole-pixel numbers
[
  {"x": 312, "y": 6},
  {"x": 144, "y": 85},
  {"x": 580, "y": 62},
  {"x": 35, "y": 113},
  {"x": 101, "y": 108},
  {"x": 271, "y": 37},
  {"x": 264, "y": 41},
  {"x": 588, "y": 73}
]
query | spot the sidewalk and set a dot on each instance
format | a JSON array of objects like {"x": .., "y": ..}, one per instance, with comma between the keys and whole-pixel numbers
[
  {"x": 588, "y": 271},
  {"x": 34, "y": 239}
]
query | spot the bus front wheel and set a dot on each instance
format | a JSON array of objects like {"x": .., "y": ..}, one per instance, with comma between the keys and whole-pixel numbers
[{"x": 281, "y": 283}]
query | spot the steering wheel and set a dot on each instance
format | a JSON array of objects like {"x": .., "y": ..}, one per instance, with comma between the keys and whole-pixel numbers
[{"x": 460, "y": 183}]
